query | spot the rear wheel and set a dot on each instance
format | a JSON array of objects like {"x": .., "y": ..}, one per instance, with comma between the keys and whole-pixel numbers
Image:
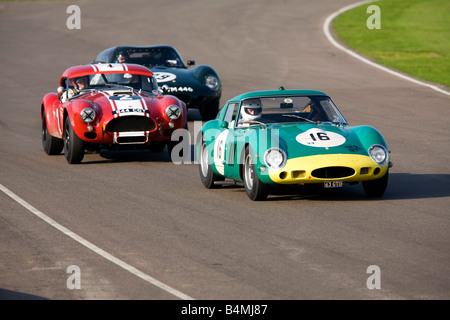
[
  {"x": 207, "y": 175},
  {"x": 376, "y": 188},
  {"x": 255, "y": 189},
  {"x": 50, "y": 144},
  {"x": 73, "y": 145}
]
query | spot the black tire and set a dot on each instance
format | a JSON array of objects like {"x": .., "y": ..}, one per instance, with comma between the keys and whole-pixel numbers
[
  {"x": 255, "y": 189},
  {"x": 209, "y": 111},
  {"x": 73, "y": 145},
  {"x": 376, "y": 188},
  {"x": 51, "y": 145},
  {"x": 207, "y": 175}
]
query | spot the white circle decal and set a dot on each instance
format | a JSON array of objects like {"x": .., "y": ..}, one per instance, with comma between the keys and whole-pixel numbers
[
  {"x": 164, "y": 76},
  {"x": 219, "y": 151},
  {"x": 320, "y": 138}
]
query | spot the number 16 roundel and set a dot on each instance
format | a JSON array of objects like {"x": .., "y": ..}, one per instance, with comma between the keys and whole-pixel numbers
[{"x": 320, "y": 138}]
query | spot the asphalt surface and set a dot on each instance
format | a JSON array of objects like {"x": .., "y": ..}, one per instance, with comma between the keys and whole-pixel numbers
[{"x": 157, "y": 217}]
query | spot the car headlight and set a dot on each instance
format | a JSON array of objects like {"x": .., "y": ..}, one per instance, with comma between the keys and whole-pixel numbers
[
  {"x": 87, "y": 115},
  {"x": 212, "y": 82},
  {"x": 275, "y": 158},
  {"x": 173, "y": 112},
  {"x": 379, "y": 154}
]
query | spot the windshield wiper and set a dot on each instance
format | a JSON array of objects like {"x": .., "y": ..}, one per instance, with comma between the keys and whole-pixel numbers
[{"x": 298, "y": 117}]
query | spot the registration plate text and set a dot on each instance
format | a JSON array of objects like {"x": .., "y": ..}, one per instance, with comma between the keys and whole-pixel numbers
[{"x": 333, "y": 184}]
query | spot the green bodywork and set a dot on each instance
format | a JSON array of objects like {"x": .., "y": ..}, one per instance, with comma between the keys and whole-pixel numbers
[{"x": 283, "y": 135}]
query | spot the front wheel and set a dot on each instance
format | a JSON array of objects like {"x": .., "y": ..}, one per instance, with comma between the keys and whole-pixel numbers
[
  {"x": 207, "y": 175},
  {"x": 73, "y": 145},
  {"x": 255, "y": 189},
  {"x": 50, "y": 144},
  {"x": 376, "y": 188}
]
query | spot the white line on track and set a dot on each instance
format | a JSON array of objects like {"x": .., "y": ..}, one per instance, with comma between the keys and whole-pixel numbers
[
  {"x": 93, "y": 247},
  {"x": 326, "y": 31}
]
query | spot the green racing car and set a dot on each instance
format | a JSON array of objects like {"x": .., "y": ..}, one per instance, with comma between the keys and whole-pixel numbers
[{"x": 290, "y": 137}]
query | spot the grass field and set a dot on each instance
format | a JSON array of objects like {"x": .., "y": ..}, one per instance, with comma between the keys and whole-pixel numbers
[{"x": 414, "y": 36}]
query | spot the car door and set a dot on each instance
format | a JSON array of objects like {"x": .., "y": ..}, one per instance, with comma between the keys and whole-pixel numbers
[
  {"x": 231, "y": 156},
  {"x": 223, "y": 141}
]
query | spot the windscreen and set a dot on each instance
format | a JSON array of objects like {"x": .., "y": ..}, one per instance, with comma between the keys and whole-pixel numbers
[
  {"x": 96, "y": 81},
  {"x": 285, "y": 109}
]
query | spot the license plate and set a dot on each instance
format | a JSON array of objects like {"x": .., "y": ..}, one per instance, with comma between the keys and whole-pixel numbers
[{"x": 333, "y": 184}]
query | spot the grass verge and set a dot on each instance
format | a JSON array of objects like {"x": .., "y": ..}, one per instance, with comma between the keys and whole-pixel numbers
[{"x": 414, "y": 36}]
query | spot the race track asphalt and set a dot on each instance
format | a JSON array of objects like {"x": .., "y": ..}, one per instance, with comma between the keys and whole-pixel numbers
[{"x": 157, "y": 217}]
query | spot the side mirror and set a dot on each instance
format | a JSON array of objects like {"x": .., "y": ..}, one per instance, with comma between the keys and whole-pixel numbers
[
  {"x": 60, "y": 90},
  {"x": 224, "y": 124},
  {"x": 191, "y": 62}
]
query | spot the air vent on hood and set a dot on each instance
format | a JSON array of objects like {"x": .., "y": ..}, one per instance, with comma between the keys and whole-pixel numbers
[
  {"x": 121, "y": 93},
  {"x": 131, "y": 123}
]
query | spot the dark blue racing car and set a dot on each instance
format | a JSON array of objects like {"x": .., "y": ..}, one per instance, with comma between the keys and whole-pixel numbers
[{"x": 199, "y": 87}]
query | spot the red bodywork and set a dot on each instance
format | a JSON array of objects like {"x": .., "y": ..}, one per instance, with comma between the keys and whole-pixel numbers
[{"x": 121, "y": 117}]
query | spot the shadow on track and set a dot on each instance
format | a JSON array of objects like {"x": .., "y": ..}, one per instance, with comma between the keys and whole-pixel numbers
[
  {"x": 401, "y": 186},
  {"x": 15, "y": 295}
]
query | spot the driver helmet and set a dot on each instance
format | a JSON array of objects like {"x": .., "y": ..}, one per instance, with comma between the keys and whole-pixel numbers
[
  {"x": 81, "y": 82},
  {"x": 122, "y": 55},
  {"x": 251, "y": 109}
]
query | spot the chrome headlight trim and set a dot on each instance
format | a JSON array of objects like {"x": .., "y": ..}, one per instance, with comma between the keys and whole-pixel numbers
[
  {"x": 173, "y": 112},
  {"x": 379, "y": 154},
  {"x": 275, "y": 158},
  {"x": 212, "y": 82},
  {"x": 87, "y": 115}
]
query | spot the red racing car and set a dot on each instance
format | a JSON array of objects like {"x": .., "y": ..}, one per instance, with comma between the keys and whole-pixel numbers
[{"x": 108, "y": 106}]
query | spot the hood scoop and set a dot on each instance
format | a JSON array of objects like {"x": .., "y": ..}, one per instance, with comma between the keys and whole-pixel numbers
[
  {"x": 123, "y": 93},
  {"x": 123, "y": 96}
]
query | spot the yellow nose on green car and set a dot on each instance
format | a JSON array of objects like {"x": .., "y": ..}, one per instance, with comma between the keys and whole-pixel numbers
[{"x": 290, "y": 137}]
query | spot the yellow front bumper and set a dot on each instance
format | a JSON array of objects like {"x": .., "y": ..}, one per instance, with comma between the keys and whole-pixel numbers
[{"x": 301, "y": 170}]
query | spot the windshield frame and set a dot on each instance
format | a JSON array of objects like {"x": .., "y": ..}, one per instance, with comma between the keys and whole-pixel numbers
[
  {"x": 292, "y": 109},
  {"x": 114, "y": 81},
  {"x": 151, "y": 56}
]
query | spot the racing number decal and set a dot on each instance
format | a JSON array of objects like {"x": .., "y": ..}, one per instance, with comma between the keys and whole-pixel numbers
[
  {"x": 164, "y": 76},
  {"x": 320, "y": 138},
  {"x": 219, "y": 151},
  {"x": 166, "y": 88}
]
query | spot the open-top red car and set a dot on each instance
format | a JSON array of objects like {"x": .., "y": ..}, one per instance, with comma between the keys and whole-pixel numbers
[{"x": 108, "y": 106}]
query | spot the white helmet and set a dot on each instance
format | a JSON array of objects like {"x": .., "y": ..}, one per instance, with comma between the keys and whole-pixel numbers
[{"x": 251, "y": 109}]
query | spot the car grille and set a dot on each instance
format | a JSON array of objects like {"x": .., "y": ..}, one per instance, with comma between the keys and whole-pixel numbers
[
  {"x": 140, "y": 139},
  {"x": 131, "y": 123},
  {"x": 333, "y": 172}
]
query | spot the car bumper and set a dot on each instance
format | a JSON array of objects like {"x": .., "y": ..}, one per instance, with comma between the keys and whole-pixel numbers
[
  {"x": 320, "y": 168},
  {"x": 98, "y": 135}
]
